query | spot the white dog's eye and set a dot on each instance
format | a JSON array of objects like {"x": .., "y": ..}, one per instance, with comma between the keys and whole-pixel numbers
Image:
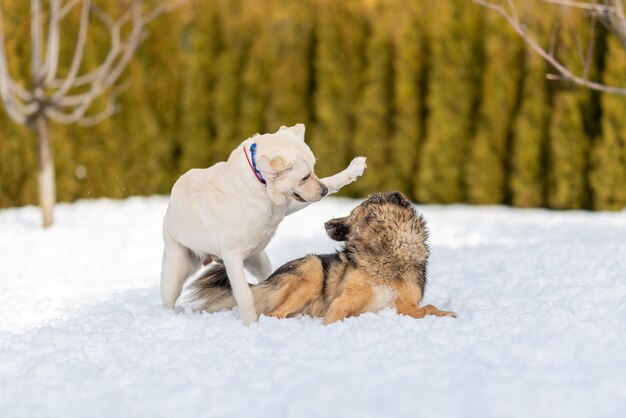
[{"x": 305, "y": 178}]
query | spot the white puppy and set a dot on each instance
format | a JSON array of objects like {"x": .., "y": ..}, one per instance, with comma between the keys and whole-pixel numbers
[{"x": 231, "y": 210}]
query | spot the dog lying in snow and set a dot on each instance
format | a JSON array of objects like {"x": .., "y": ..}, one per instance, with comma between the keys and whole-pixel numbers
[
  {"x": 382, "y": 264},
  {"x": 230, "y": 211}
]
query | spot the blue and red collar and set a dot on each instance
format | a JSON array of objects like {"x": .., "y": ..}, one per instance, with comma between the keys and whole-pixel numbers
[{"x": 252, "y": 162}]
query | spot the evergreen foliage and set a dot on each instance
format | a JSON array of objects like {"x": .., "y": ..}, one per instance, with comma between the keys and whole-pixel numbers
[
  {"x": 528, "y": 158},
  {"x": 195, "y": 137},
  {"x": 373, "y": 122},
  {"x": 339, "y": 61},
  {"x": 440, "y": 96},
  {"x": 290, "y": 78},
  {"x": 569, "y": 142},
  {"x": 487, "y": 166},
  {"x": 18, "y": 158},
  {"x": 608, "y": 170},
  {"x": 410, "y": 77},
  {"x": 454, "y": 87}
]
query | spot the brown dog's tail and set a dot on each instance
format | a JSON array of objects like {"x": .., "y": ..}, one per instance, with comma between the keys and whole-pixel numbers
[{"x": 211, "y": 292}]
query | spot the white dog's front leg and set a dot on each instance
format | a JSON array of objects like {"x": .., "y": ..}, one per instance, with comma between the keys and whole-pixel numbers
[
  {"x": 334, "y": 183},
  {"x": 241, "y": 289},
  {"x": 259, "y": 265},
  {"x": 355, "y": 170}
]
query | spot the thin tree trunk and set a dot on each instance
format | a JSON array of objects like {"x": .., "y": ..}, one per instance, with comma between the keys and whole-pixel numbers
[{"x": 47, "y": 187}]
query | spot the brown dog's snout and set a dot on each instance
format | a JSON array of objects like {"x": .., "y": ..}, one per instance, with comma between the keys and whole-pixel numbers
[{"x": 324, "y": 191}]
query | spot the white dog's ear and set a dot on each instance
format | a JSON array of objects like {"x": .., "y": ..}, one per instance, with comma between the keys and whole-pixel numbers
[
  {"x": 272, "y": 167},
  {"x": 298, "y": 130}
]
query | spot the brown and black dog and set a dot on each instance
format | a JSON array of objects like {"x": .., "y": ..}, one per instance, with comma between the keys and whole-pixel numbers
[{"x": 382, "y": 264}]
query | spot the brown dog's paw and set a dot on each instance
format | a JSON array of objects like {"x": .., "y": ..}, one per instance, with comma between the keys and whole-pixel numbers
[
  {"x": 279, "y": 313},
  {"x": 433, "y": 310},
  {"x": 333, "y": 317},
  {"x": 451, "y": 314}
]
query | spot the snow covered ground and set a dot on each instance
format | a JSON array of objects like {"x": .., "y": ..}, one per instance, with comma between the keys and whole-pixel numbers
[{"x": 541, "y": 332}]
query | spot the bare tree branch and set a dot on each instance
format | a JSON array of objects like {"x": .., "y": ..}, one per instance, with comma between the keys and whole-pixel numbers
[
  {"x": 77, "y": 58},
  {"x": 9, "y": 93},
  {"x": 67, "y": 7},
  {"x": 73, "y": 80},
  {"x": 564, "y": 72},
  {"x": 51, "y": 62},
  {"x": 120, "y": 54},
  {"x": 580, "y": 5},
  {"x": 24, "y": 95},
  {"x": 163, "y": 7},
  {"x": 115, "y": 63},
  {"x": 512, "y": 10},
  {"x": 52, "y": 98},
  {"x": 35, "y": 40},
  {"x": 111, "y": 108},
  {"x": 553, "y": 39},
  {"x": 51, "y": 95},
  {"x": 591, "y": 47},
  {"x": 617, "y": 20}
]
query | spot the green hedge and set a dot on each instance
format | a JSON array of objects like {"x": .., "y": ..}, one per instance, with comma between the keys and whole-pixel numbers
[{"x": 440, "y": 95}]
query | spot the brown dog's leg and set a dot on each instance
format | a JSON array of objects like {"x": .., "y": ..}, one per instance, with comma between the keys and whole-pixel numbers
[
  {"x": 300, "y": 289},
  {"x": 411, "y": 309},
  {"x": 352, "y": 301},
  {"x": 297, "y": 298}
]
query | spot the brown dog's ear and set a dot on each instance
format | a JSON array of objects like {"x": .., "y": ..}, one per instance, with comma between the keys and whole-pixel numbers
[
  {"x": 337, "y": 229},
  {"x": 399, "y": 199},
  {"x": 272, "y": 167}
]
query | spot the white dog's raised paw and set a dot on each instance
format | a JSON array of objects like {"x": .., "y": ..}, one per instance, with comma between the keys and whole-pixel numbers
[{"x": 356, "y": 168}]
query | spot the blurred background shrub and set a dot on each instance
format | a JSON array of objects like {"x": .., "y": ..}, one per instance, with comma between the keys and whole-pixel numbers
[{"x": 440, "y": 95}]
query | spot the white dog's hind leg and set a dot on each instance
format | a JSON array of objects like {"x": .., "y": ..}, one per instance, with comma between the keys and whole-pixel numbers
[
  {"x": 259, "y": 265},
  {"x": 178, "y": 263},
  {"x": 241, "y": 289}
]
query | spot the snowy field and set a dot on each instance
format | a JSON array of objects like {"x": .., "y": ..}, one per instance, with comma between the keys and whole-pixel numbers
[{"x": 541, "y": 332}]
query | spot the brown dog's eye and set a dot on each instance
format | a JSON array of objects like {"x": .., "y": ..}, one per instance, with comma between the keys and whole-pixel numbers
[{"x": 305, "y": 178}]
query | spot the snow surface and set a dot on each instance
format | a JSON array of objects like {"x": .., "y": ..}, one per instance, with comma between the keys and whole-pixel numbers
[{"x": 541, "y": 332}]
